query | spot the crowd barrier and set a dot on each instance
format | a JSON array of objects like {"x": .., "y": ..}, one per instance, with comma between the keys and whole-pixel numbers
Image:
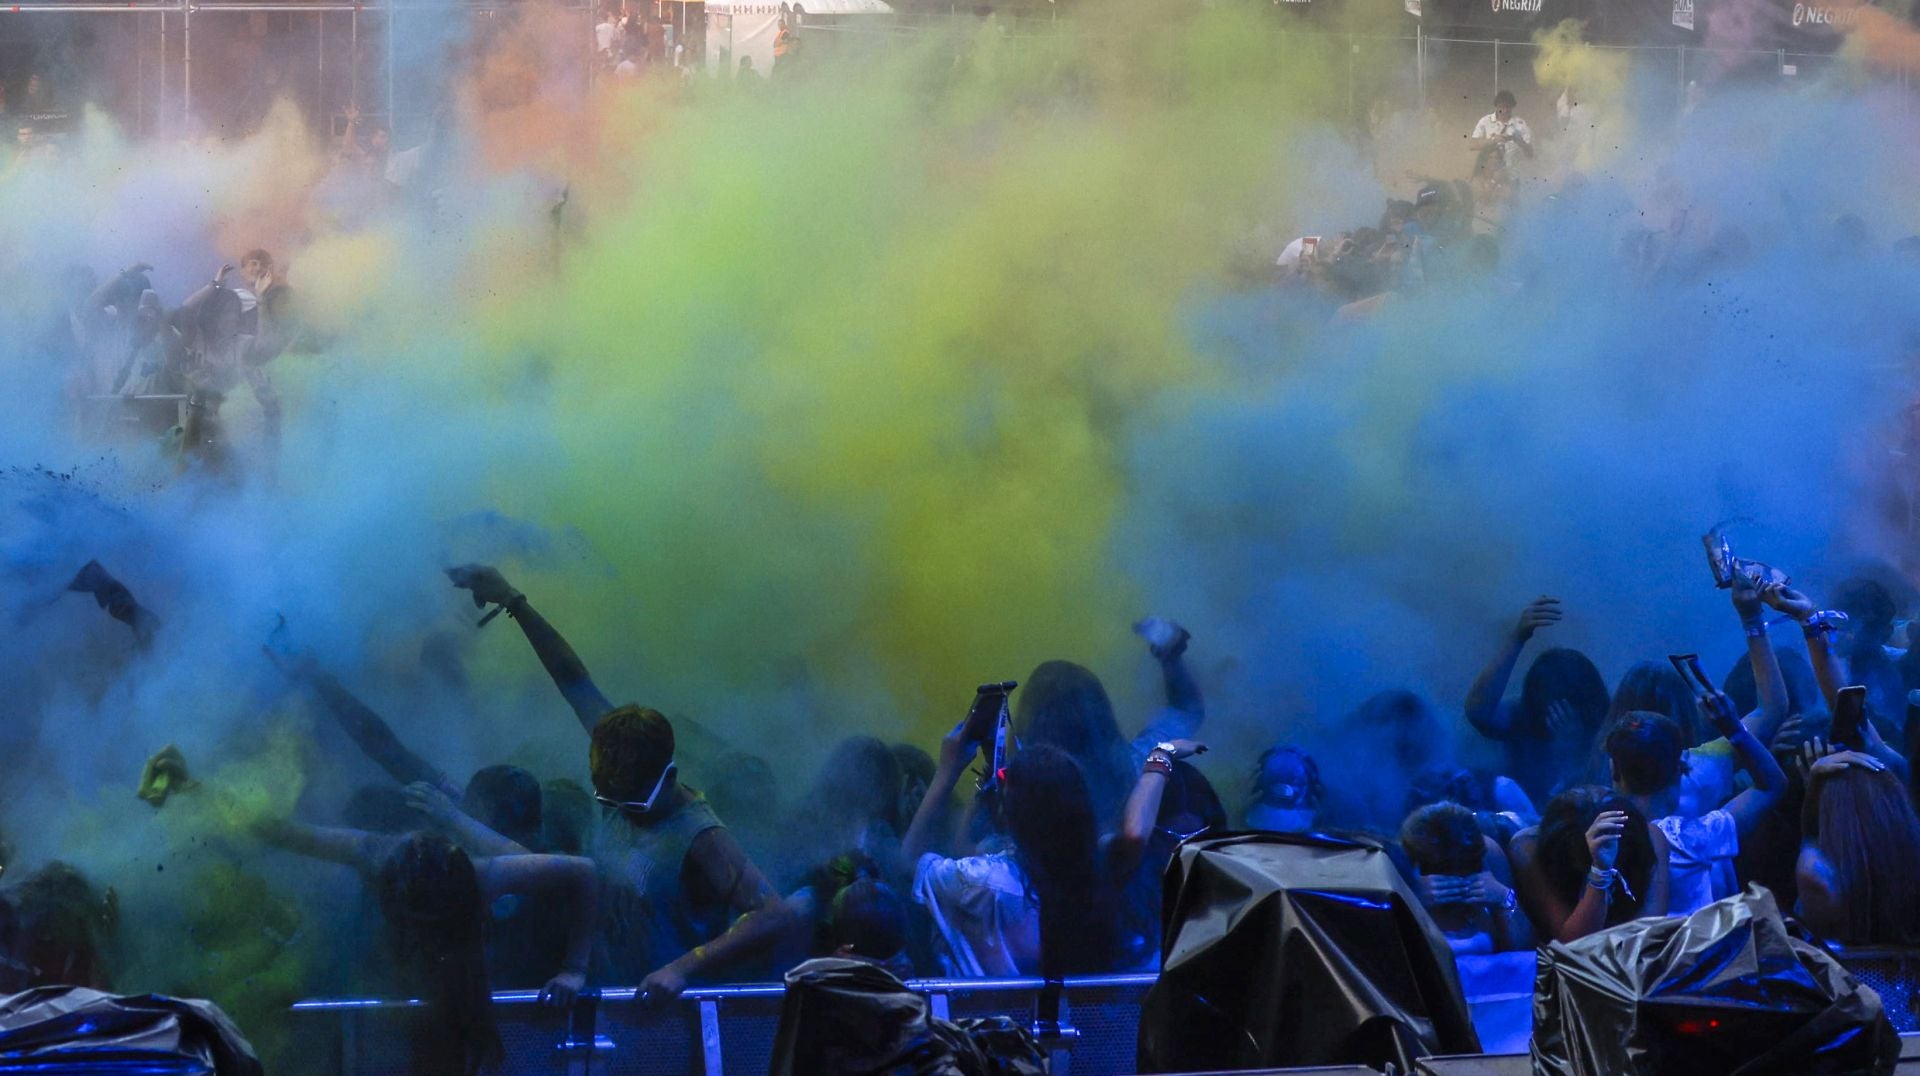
[{"x": 729, "y": 1030}]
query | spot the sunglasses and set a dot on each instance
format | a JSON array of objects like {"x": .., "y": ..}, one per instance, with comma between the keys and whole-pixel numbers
[{"x": 640, "y": 806}]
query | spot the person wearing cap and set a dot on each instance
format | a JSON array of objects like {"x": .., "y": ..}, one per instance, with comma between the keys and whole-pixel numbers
[{"x": 1502, "y": 130}]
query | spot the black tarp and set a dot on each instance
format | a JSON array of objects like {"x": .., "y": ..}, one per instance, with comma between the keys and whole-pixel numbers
[
  {"x": 1282, "y": 949},
  {"x": 853, "y": 1018},
  {"x": 56, "y": 1030},
  {"x": 1725, "y": 991}
]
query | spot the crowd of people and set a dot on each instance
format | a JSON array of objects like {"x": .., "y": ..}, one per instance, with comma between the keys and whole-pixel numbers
[
  {"x": 1039, "y": 850},
  {"x": 127, "y": 356}
]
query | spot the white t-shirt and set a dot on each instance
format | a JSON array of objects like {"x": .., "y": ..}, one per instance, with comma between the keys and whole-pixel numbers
[
  {"x": 1490, "y": 126},
  {"x": 1700, "y": 866},
  {"x": 979, "y": 907},
  {"x": 603, "y": 36}
]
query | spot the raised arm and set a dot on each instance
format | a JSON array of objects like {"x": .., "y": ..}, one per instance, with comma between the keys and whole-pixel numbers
[
  {"x": 764, "y": 919},
  {"x": 956, "y": 751},
  {"x": 362, "y": 725},
  {"x": 527, "y": 875},
  {"x": 569, "y": 673},
  {"x": 1826, "y": 664},
  {"x": 1769, "y": 685},
  {"x": 1483, "y": 707},
  {"x": 1769, "y": 780},
  {"x": 1142, "y": 812}
]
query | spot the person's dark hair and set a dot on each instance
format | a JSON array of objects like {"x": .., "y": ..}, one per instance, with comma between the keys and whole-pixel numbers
[
  {"x": 1654, "y": 687},
  {"x": 1870, "y": 610},
  {"x": 1645, "y": 749},
  {"x": 430, "y": 896},
  {"x": 1563, "y": 675},
  {"x": 1400, "y": 721},
  {"x": 1444, "y": 838},
  {"x": 61, "y": 924},
  {"x": 1064, "y": 705},
  {"x": 915, "y": 764},
  {"x": 1189, "y": 803},
  {"x": 566, "y": 816},
  {"x": 1266, "y": 785},
  {"x": 859, "y": 785},
  {"x": 1564, "y": 859},
  {"x": 506, "y": 799},
  {"x": 1472, "y": 789},
  {"x": 1505, "y": 97},
  {"x": 1869, "y": 834},
  {"x": 1803, "y": 689},
  {"x": 259, "y": 255},
  {"x": 379, "y": 808},
  {"x": 1049, "y": 814},
  {"x": 870, "y": 919},
  {"x": 631, "y": 746}
]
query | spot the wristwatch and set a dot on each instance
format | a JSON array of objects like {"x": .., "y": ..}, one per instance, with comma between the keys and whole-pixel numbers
[{"x": 1160, "y": 759}]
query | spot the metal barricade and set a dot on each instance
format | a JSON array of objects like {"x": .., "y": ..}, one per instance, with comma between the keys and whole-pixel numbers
[{"x": 714, "y": 1031}]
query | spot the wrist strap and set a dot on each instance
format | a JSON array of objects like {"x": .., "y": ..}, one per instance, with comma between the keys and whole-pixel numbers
[
  {"x": 1158, "y": 762},
  {"x": 1756, "y": 629}
]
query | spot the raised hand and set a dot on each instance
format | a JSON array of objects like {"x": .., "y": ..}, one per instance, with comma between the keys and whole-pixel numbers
[
  {"x": 1747, "y": 598},
  {"x": 1720, "y": 710},
  {"x": 1165, "y": 638},
  {"x": 430, "y": 801},
  {"x": 1540, "y": 613},
  {"x": 1811, "y": 753},
  {"x": 1787, "y": 600},
  {"x": 489, "y": 587},
  {"x": 1603, "y": 838}
]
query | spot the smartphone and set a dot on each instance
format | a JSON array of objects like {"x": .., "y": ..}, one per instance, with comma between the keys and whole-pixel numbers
[
  {"x": 1688, "y": 666},
  {"x": 1849, "y": 712},
  {"x": 989, "y": 701}
]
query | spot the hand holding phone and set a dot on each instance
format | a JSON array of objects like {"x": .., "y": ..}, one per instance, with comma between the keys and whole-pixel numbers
[{"x": 1849, "y": 714}]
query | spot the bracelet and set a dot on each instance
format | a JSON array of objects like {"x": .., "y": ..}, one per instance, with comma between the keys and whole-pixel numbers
[
  {"x": 1602, "y": 879},
  {"x": 1158, "y": 762},
  {"x": 1757, "y": 629},
  {"x": 1824, "y": 621},
  {"x": 1512, "y": 902}
]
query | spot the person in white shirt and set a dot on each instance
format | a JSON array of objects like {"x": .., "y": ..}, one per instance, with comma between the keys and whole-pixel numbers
[
  {"x": 1504, "y": 130},
  {"x": 604, "y": 35},
  {"x": 1646, "y": 751}
]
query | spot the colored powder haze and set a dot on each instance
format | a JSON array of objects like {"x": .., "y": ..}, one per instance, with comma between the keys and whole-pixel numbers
[{"x": 827, "y": 402}]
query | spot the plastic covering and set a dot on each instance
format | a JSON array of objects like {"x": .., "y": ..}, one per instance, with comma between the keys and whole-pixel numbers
[
  {"x": 1725, "y": 991},
  {"x": 845, "y": 1016},
  {"x": 71, "y": 1029},
  {"x": 1280, "y": 949}
]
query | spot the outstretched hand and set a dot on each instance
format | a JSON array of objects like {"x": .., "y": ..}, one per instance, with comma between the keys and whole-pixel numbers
[
  {"x": 1721, "y": 711},
  {"x": 1787, "y": 600},
  {"x": 1540, "y": 613},
  {"x": 489, "y": 587},
  {"x": 430, "y": 801},
  {"x": 1165, "y": 638}
]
